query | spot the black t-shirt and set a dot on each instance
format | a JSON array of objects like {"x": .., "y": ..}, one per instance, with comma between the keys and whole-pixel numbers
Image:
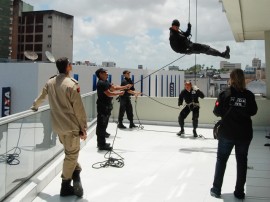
[
  {"x": 237, "y": 124},
  {"x": 125, "y": 82},
  {"x": 103, "y": 99}
]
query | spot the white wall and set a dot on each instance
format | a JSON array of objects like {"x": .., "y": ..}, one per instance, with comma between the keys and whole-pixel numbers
[{"x": 27, "y": 80}]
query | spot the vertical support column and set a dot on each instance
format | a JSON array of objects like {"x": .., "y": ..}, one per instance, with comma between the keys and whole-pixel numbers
[{"x": 267, "y": 61}]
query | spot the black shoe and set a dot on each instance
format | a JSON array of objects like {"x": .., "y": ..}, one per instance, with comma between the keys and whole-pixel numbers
[
  {"x": 120, "y": 125},
  {"x": 132, "y": 125},
  {"x": 77, "y": 185},
  {"x": 267, "y": 136},
  {"x": 195, "y": 133},
  {"x": 239, "y": 195},
  {"x": 214, "y": 193},
  {"x": 267, "y": 145},
  {"x": 107, "y": 135},
  {"x": 181, "y": 132},
  {"x": 106, "y": 147},
  {"x": 66, "y": 188},
  {"x": 227, "y": 53}
]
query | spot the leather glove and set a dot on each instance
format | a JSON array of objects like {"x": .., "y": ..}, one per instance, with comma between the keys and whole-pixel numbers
[
  {"x": 189, "y": 25},
  {"x": 195, "y": 88}
]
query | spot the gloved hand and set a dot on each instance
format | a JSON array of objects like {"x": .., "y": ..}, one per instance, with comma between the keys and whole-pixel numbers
[
  {"x": 34, "y": 108},
  {"x": 189, "y": 25},
  {"x": 195, "y": 88},
  {"x": 181, "y": 106}
]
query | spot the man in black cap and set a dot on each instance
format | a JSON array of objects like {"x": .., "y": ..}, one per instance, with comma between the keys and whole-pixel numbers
[
  {"x": 125, "y": 102},
  {"x": 180, "y": 43},
  {"x": 105, "y": 91}
]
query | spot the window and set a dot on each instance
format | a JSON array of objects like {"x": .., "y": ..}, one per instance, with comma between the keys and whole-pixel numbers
[
  {"x": 38, "y": 47},
  {"x": 29, "y": 47},
  {"x": 39, "y": 18},
  {"x": 29, "y": 38},
  {"x": 49, "y": 36},
  {"x": 29, "y": 29},
  {"x": 30, "y": 20},
  {"x": 39, "y": 28},
  {"x": 38, "y": 38}
]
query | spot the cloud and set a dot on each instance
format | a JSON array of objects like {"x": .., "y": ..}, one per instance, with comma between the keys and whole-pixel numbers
[{"x": 136, "y": 32}]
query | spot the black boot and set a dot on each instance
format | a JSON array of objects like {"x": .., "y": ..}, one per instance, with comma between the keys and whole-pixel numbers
[
  {"x": 77, "y": 185},
  {"x": 182, "y": 131},
  {"x": 132, "y": 125},
  {"x": 121, "y": 125},
  {"x": 66, "y": 188},
  {"x": 226, "y": 53},
  {"x": 195, "y": 133}
]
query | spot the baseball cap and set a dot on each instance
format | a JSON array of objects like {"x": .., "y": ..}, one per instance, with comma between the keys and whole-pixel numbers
[
  {"x": 100, "y": 70},
  {"x": 126, "y": 71}
]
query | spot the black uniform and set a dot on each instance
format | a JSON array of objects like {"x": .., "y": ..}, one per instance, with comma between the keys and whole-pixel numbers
[
  {"x": 235, "y": 132},
  {"x": 104, "y": 108},
  {"x": 192, "y": 100},
  {"x": 237, "y": 124},
  {"x": 180, "y": 43},
  {"x": 125, "y": 103}
]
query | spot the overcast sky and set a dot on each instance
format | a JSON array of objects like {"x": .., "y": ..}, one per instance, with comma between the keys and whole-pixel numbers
[{"x": 133, "y": 32}]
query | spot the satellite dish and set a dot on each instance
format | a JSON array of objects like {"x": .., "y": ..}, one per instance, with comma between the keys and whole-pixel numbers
[
  {"x": 49, "y": 56},
  {"x": 31, "y": 55}
]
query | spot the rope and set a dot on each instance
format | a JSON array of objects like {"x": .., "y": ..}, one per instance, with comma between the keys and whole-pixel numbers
[
  {"x": 160, "y": 68},
  {"x": 196, "y": 40},
  {"x": 110, "y": 161},
  {"x": 12, "y": 159},
  {"x": 189, "y": 11}
]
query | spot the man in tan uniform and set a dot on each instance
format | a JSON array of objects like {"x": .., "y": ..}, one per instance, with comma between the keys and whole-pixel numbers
[{"x": 68, "y": 121}]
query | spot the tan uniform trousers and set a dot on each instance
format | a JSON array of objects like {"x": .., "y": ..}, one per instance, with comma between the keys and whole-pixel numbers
[{"x": 71, "y": 143}]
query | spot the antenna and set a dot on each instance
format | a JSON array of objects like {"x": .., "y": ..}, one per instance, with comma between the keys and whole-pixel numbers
[
  {"x": 49, "y": 56},
  {"x": 31, "y": 55}
]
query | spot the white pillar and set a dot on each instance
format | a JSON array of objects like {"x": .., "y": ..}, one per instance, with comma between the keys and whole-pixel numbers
[{"x": 267, "y": 61}]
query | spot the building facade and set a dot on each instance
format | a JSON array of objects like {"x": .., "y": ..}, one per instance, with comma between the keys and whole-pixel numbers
[
  {"x": 229, "y": 66},
  {"x": 42, "y": 31},
  {"x": 10, "y": 11},
  {"x": 5, "y": 28}
]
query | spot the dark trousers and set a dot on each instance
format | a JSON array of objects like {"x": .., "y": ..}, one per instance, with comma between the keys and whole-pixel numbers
[
  {"x": 185, "y": 112},
  {"x": 225, "y": 147},
  {"x": 202, "y": 48},
  {"x": 125, "y": 106},
  {"x": 103, "y": 115}
]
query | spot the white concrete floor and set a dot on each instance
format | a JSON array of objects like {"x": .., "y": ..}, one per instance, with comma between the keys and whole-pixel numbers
[{"x": 160, "y": 166}]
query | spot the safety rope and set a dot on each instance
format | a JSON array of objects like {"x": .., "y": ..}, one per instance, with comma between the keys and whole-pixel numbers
[
  {"x": 117, "y": 162},
  {"x": 161, "y": 68}
]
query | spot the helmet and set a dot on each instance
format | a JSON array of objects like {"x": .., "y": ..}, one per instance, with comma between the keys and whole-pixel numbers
[{"x": 175, "y": 23}]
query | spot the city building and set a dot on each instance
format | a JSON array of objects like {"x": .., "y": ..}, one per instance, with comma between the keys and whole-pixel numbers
[
  {"x": 42, "y": 31},
  {"x": 173, "y": 68},
  {"x": 256, "y": 62},
  {"x": 108, "y": 64},
  {"x": 23, "y": 29},
  {"x": 229, "y": 66}
]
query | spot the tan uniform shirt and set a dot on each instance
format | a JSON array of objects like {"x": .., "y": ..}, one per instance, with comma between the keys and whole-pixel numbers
[{"x": 67, "y": 110}]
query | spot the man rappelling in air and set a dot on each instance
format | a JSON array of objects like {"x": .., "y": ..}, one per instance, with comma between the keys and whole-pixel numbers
[{"x": 181, "y": 43}]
